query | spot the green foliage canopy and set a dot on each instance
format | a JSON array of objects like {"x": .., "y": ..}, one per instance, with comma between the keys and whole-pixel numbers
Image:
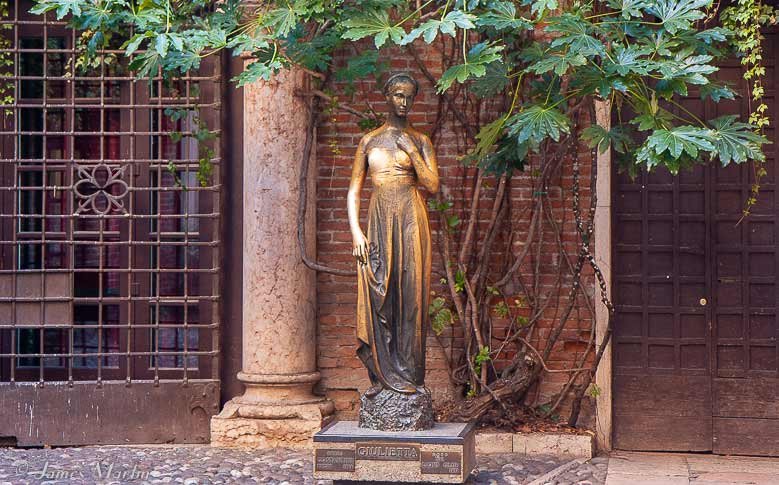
[{"x": 545, "y": 57}]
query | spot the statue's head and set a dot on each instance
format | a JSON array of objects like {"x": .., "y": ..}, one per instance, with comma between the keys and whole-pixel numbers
[{"x": 400, "y": 89}]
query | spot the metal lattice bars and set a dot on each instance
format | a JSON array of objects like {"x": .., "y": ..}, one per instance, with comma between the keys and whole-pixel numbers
[{"x": 109, "y": 247}]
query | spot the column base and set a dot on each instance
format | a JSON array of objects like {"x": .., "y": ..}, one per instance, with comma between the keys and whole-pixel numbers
[{"x": 272, "y": 415}]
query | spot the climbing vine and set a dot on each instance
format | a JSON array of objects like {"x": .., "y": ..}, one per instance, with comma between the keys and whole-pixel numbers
[
  {"x": 746, "y": 19},
  {"x": 6, "y": 60},
  {"x": 517, "y": 84}
]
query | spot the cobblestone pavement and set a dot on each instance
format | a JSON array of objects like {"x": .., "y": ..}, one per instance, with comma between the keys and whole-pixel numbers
[{"x": 201, "y": 464}]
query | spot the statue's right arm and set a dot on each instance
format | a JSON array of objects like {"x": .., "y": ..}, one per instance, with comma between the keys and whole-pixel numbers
[{"x": 359, "y": 241}]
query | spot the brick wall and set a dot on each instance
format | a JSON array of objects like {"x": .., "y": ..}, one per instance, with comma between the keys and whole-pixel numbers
[{"x": 343, "y": 376}]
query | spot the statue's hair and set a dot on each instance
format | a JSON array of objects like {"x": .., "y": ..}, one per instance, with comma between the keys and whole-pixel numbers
[{"x": 397, "y": 78}]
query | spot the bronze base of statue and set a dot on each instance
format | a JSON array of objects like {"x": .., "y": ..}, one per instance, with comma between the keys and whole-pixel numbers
[{"x": 388, "y": 410}]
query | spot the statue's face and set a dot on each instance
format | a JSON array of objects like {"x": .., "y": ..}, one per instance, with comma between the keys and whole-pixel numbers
[{"x": 400, "y": 98}]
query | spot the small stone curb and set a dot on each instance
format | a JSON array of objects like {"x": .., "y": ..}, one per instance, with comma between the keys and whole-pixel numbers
[{"x": 533, "y": 444}]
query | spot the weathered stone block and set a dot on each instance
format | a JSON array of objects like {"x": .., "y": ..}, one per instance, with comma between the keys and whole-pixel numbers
[
  {"x": 494, "y": 443},
  {"x": 569, "y": 445}
]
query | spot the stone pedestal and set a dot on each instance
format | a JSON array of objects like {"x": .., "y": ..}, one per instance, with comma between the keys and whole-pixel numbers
[
  {"x": 444, "y": 454},
  {"x": 392, "y": 411},
  {"x": 278, "y": 407}
]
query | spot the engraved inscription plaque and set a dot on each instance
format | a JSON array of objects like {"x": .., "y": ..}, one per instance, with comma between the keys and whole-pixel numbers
[
  {"x": 441, "y": 462},
  {"x": 387, "y": 452},
  {"x": 334, "y": 460}
]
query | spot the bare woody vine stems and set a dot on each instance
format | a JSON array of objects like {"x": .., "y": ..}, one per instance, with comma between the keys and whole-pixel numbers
[{"x": 518, "y": 86}]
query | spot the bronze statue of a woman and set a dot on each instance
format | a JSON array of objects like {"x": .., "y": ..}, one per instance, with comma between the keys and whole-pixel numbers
[{"x": 394, "y": 263}]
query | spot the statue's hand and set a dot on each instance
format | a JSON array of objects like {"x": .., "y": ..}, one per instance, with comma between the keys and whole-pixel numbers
[
  {"x": 360, "y": 247},
  {"x": 406, "y": 143}
]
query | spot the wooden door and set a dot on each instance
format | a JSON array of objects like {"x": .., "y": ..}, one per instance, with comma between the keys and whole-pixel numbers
[{"x": 695, "y": 364}]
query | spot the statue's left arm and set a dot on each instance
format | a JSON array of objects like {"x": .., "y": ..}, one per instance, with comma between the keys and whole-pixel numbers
[{"x": 424, "y": 160}]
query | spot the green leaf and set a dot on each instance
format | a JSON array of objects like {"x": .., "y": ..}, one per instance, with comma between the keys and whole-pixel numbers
[
  {"x": 627, "y": 60},
  {"x": 475, "y": 65},
  {"x": 716, "y": 34},
  {"x": 717, "y": 92},
  {"x": 557, "y": 62},
  {"x": 134, "y": 43},
  {"x": 671, "y": 147},
  {"x": 538, "y": 7},
  {"x": 576, "y": 34},
  {"x": 441, "y": 315},
  {"x": 281, "y": 20},
  {"x": 258, "y": 70},
  {"x": 501, "y": 309},
  {"x": 678, "y": 15},
  {"x": 447, "y": 25},
  {"x": 536, "y": 123},
  {"x": 735, "y": 141},
  {"x": 690, "y": 69},
  {"x": 488, "y": 136},
  {"x": 480, "y": 358},
  {"x": 493, "y": 82},
  {"x": 365, "y": 64},
  {"x": 63, "y": 7},
  {"x": 459, "y": 281},
  {"x": 648, "y": 121},
  {"x": 161, "y": 44},
  {"x": 509, "y": 156},
  {"x": 629, "y": 8},
  {"x": 502, "y": 16},
  {"x": 374, "y": 23},
  {"x": 246, "y": 43},
  {"x": 439, "y": 206},
  {"x": 617, "y": 137}
]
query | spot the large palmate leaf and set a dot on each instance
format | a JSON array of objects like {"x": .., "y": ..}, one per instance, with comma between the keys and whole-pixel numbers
[
  {"x": 536, "y": 123},
  {"x": 557, "y": 62},
  {"x": 258, "y": 70},
  {"x": 281, "y": 20},
  {"x": 360, "y": 66},
  {"x": 575, "y": 32},
  {"x": 502, "y": 16},
  {"x": 539, "y": 7},
  {"x": 679, "y": 72},
  {"x": 717, "y": 92},
  {"x": 672, "y": 147},
  {"x": 677, "y": 15},
  {"x": 475, "y": 65},
  {"x": 618, "y": 138},
  {"x": 62, "y": 7},
  {"x": 627, "y": 60},
  {"x": 735, "y": 141},
  {"x": 493, "y": 82},
  {"x": 375, "y": 23},
  {"x": 690, "y": 69},
  {"x": 488, "y": 136},
  {"x": 629, "y": 8},
  {"x": 447, "y": 25}
]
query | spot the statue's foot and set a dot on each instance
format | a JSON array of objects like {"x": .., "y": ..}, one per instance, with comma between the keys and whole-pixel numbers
[
  {"x": 373, "y": 390},
  {"x": 406, "y": 388}
]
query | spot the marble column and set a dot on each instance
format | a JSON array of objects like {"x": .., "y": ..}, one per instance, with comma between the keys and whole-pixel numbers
[{"x": 278, "y": 407}]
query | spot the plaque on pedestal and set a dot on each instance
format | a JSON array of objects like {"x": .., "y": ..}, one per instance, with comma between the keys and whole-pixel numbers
[{"x": 444, "y": 454}]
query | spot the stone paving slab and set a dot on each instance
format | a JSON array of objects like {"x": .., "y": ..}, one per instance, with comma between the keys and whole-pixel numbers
[
  {"x": 203, "y": 464},
  {"x": 686, "y": 469}
]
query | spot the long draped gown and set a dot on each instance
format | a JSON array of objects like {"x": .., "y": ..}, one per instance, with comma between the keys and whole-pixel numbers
[{"x": 394, "y": 287}]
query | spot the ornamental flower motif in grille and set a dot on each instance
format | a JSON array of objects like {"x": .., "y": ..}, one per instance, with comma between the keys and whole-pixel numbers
[{"x": 100, "y": 188}]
